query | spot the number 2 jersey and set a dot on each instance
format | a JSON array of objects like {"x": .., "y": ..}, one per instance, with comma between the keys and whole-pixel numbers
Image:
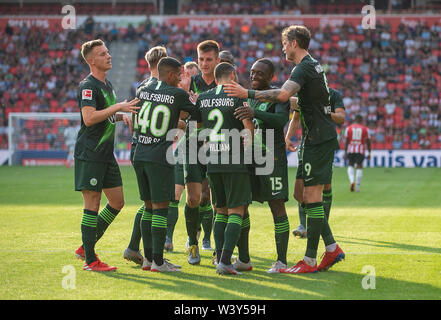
[
  {"x": 216, "y": 111},
  {"x": 160, "y": 105}
]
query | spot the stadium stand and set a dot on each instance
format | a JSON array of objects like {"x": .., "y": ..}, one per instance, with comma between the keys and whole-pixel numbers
[{"x": 391, "y": 77}]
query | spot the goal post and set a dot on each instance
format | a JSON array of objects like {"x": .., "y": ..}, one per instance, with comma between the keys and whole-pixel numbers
[{"x": 48, "y": 138}]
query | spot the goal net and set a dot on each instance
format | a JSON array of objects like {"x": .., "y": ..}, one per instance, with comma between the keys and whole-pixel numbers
[{"x": 49, "y": 138}]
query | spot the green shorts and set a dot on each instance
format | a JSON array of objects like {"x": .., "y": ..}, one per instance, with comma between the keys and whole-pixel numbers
[
  {"x": 272, "y": 187},
  {"x": 156, "y": 182},
  {"x": 317, "y": 163},
  {"x": 230, "y": 189},
  {"x": 179, "y": 174},
  {"x": 195, "y": 173},
  {"x": 96, "y": 176}
]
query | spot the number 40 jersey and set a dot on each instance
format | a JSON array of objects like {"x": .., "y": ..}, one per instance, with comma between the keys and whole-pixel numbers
[{"x": 160, "y": 105}]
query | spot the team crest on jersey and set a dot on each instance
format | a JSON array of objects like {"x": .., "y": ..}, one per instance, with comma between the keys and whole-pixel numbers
[
  {"x": 93, "y": 182},
  {"x": 86, "y": 94}
]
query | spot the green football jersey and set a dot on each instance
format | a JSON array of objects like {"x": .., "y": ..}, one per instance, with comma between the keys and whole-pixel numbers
[
  {"x": 336, "y": 99},
  {"x": 198, "y": 84},
  {"x": 264, "y": 119},
  {"x": 314, "y": 102},
  {"x": 160, "y": 105},
  {"x": 96, "y": 142},
  {"x": 145, "y": 82},
  {"x": 216, "y": 112}
]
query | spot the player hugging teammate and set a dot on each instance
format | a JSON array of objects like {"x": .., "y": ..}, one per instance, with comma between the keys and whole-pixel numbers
[{"x": 221, "y": 106}]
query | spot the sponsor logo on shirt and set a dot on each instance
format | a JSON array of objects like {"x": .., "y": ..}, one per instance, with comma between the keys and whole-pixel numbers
[{"x": 86, "y": 94}]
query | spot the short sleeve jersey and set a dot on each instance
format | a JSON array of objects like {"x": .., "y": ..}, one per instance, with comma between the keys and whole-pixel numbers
[
  {"x": 96, "y": 142},
  {"x": 160, "y": 105},
  {"x": 336, "y": 99},
  {"x": 279, "y": 138},
  {"x": 357, "y": 136},
  {"x": 216, "y": 110},
  {"x": 314, "y": 102}
]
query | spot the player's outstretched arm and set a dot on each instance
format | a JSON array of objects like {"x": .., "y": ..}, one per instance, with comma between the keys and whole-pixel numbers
[
  {"x": 293, "y": 126},
  {"x": 288, "y": 89},
  {"x": 92, "y": 116}
]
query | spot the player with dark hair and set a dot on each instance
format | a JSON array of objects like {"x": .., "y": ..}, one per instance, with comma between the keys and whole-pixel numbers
[
  {"x": 198, "y": 209},
  {"x": 190, "y": 68},
  {"x": 229, "y": 182},
  {"x": 96, "y": 169},
  {"x": 273, "y": 188},
  {"x": 132, "y": 253},
  {"x": 308, "y": 80},
  {"x": 357, "y": 139},
  {"x": 226, "y": 56},
  {"x": 161, "y": 104}
]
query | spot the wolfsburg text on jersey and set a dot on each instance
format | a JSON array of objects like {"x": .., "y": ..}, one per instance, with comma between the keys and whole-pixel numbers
[{"x": 156, "y": 97}]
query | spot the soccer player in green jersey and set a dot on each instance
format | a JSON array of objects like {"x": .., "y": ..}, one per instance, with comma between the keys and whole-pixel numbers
[
  {"x": 338, "y": 115},
  {"x": 132, "y": 253},
  {"x": 308, "y": 80},
  {"x": 190, "y": 68},
  {"x": 272, "y": 188},
  {"x": 96, "y": 169},
  {"x": 229, "y": 179},
  {"x": 198, "y": 209},
  {"x": 161, "y": 105}
]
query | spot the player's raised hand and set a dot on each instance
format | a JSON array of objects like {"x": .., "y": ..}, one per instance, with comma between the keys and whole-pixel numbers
[
  {"x": 129, "y": 106},
  {"x": 234, "y": 89},
  {"x": 193, "y": 96},
  {"x": 185, "y": 80}
]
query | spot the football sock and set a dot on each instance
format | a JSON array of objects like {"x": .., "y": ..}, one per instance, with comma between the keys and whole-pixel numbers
[
  {"x": 172, "y": 218},
  {"x": 88, "y": 234},
  {"x": 310, "y": 261},
  {"x": 331, "y": 247},
  {"x": 281, "y": 233},
  {"x": 136, "y": 232},
  {"x": 192, "y": 223},
  {"x": 206, "y": 213},
  {"x": 243, "y": 243},
  {"x": 358, "y": 176},
  {"x": 219, "y": 233},
  {"x": 232, "y": 233},
  {"x": 351, "y": 174},
  {"x": 105, "y": 218},
  {"x": 315, "y": 219},
  {"x": 326, "y": 233},
  {"x": 146, "y": 232},
  {"x": 302, "y": 214},
  {"x": 159, "y": 231},
  {"x": 327, "y": 202}
]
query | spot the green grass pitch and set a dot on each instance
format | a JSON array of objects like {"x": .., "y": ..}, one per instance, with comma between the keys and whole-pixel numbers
[{"x": 392, "y": 227}]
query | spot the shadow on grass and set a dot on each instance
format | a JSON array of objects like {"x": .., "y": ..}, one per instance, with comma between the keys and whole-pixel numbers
[
  {"x": 388, "y": 244},
  {"x": 260, "y": 285}
]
